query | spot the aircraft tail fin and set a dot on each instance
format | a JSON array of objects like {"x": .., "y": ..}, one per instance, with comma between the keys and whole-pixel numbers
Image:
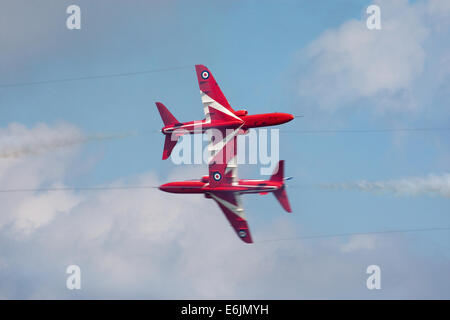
[
  {"x": 281, "y": 194},
  {"x": 169, "y": 144},
  {"x": 166, "y": 116}
]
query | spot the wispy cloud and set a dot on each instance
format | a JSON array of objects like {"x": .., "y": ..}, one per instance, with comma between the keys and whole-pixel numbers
[{"x": 437, "y": 185}]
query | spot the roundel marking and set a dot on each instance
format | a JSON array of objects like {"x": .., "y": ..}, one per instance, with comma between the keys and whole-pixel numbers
[
  {"x": 205, "y": 75},
  {"x": 242, "y": 234},
  {"x": 217, "y": 176}
]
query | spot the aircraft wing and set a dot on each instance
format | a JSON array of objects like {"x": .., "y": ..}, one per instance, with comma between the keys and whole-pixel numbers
[
  {"x": 223, "y": 172},
  {"x": 222, "y": 149},
  {"x": 222, "y": 163},
  {"x": 230, "y": 204},
  {"x": 215, "y": 105}
]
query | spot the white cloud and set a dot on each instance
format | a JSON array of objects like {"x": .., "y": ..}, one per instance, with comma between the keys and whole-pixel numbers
[
  {"x": 24, "y": 212},
  {"x": 358, "y": 242},
  {"x": 143, "y": 243},
  {"x": 384, "y": 69}
]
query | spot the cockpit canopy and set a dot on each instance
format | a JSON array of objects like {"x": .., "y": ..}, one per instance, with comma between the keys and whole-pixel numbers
[{"x": 241, "y": 113}]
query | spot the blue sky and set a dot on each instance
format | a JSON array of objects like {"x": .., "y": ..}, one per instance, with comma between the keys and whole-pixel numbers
[{"x": 311, "y": 58}]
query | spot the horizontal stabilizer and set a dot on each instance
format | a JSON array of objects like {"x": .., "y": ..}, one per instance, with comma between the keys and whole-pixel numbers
[
  {"x": 166, "y": 116},
  {"x": 281, "y": 196},
  {"x": 169, "y": 144}
]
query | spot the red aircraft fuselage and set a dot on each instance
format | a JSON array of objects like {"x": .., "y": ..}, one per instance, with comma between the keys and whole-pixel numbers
[
  {"x": 225, "y": 189},
  {"x": 242, "y": 186},
  {"x": 218, "y": 114},
  {"x": 248, "y": 122}
]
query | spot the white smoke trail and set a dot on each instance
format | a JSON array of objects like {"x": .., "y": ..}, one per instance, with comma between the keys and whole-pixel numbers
[
  {"x": 17, "y": 141},
  {"x": 438, "y": 185}
]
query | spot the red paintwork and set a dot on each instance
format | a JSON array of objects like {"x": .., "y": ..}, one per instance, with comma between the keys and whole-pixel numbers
[
  {"x": 221, "y": 184},
  {"x": 249, "y": 121},
  {"x": 219, "y": 114},
  {"x": 243, "y": 186},
  {"x": 226, "y": 193},
  {"x": 241, "y": 113},
  {"x": 209, "y": 86},
  {"x": 266, "y": 119}
]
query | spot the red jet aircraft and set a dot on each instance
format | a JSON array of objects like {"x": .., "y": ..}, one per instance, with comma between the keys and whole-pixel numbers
[
  {"x": 218, "y": 114},
  {"x": 226, "y": 192}
]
